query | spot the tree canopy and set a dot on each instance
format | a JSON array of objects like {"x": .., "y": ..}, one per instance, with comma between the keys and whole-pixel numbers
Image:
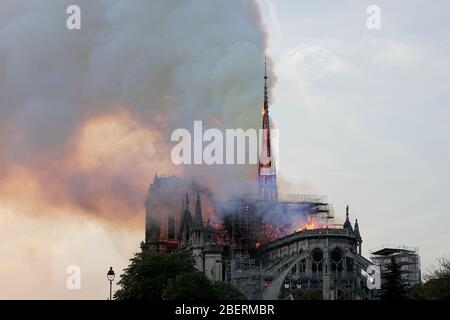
[
  {"x": 170, "y": 276},
  {"x": 226, "y": 291},
  {"x": 189, "y": 286},
  {"x": 308, "y": 294},
  {"x": 437, "y": 285},
  {"x": 148, "y": 274}
]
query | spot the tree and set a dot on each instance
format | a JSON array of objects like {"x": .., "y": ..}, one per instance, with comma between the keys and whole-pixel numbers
[
  {"x": 437, "y": 285},
  {"x": 308, "y": 294},
  {"x": 226, "y": 291},
  {"x": 189, "y": 286},
  {"x": 442, "y": 271},
  {"x": 416, "y": 292},
  {"x": 393, "y": 286},
  {"x": 149, "y": 273}
]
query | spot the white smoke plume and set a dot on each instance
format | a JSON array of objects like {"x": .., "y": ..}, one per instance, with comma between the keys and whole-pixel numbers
[
  {"x": 86, "y": 117},
  {"x": 89, "y": 113}
]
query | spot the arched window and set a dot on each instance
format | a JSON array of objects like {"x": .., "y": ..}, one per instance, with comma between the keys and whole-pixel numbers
[
  {"x": 317, "y": 261},
  {"x": 303, "y": 266},
  {"x": 337, "y": 260}
]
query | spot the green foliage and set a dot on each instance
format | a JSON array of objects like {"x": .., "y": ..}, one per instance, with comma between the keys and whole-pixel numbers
[
  {"x": 189, "y": 286},
  {"x": 226, "y": 291},
  {"x": 308, "y": 294},
  {"x": 170, "y": 276},
  {"x": 393, "y": 287},
  {"x": 148, "y": 274},
  {"x": 437, "y": 286}
]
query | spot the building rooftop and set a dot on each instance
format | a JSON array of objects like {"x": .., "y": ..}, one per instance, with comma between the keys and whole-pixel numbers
[{"x": 388, "y": 250}]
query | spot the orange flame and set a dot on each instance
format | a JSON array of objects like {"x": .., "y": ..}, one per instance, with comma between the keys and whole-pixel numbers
[{"x": 311, "y": 223}]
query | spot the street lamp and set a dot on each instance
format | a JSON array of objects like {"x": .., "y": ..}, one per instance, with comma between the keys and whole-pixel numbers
[
  {"x": 110, "y": 275},
  {"x": 213, "y": 269}
]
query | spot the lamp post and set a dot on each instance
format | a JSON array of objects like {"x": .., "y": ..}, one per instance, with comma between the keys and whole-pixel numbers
[
  {"x": 110, "y": 275},
  {"x": 299, "y": 284},
  {"x": 288, "y": 285},
  {"x": 213, "y": 269}
]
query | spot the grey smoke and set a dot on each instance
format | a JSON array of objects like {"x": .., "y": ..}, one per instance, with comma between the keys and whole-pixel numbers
[{"x": 168, "y": 62}]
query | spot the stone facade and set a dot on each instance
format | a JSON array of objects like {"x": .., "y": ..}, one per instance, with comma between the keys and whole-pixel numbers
[
  {"x": 328, "y": 259},
  {"x": 199, "y": 238}
]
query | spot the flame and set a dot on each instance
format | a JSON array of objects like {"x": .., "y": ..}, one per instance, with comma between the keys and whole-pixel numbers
[{"x": 311, "y": 223}]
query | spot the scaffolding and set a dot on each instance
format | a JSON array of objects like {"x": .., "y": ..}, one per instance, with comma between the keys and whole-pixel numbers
[
  {"x": 406, "y": 257},
  {"x": 244, "y": 273},
  {"x": 243, "y": 228},
  {"x": 249, "y": 223}
]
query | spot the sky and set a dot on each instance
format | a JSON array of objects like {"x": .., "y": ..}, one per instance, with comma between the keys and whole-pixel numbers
[
  {"x": 86, "y": 116},
  {"x": 363, "y": 115}
]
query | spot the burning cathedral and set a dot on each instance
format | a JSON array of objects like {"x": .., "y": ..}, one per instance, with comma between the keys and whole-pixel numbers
[{"x": 268, "y": 244}]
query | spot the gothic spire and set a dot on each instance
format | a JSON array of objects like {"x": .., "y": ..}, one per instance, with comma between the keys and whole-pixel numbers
[
  {"x": 267, "y": 178},
  {"x": 186, "y": 218},
  {"x": 266, "y": 97},
  {"x": 198, "y": 210},
  {"x": 347, "y": 223},
  {"x": 358, "y": 235}
]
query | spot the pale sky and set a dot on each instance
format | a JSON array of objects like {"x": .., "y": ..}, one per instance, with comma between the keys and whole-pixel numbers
[{"x": 364, "y": 114}]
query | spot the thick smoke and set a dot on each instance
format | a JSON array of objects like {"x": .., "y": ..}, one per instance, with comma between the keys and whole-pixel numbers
[{"x": 86, "y": 116}]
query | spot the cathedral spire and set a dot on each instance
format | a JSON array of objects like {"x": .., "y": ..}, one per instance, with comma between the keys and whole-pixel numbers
[
  {"x": 267, "y": 178},
  {"x": 358, "y": 235},
  {"x": 198, "y": 210},
  {"x": 347, "y": 223},
  {"x": 186, "y": 218},
  {"x": 266, "y": 96}
]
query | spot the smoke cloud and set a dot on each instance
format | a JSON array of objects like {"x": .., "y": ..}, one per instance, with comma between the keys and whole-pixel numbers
[
  {"x": 86, "y": 118},
  {"x": 86, "y": 115}
]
